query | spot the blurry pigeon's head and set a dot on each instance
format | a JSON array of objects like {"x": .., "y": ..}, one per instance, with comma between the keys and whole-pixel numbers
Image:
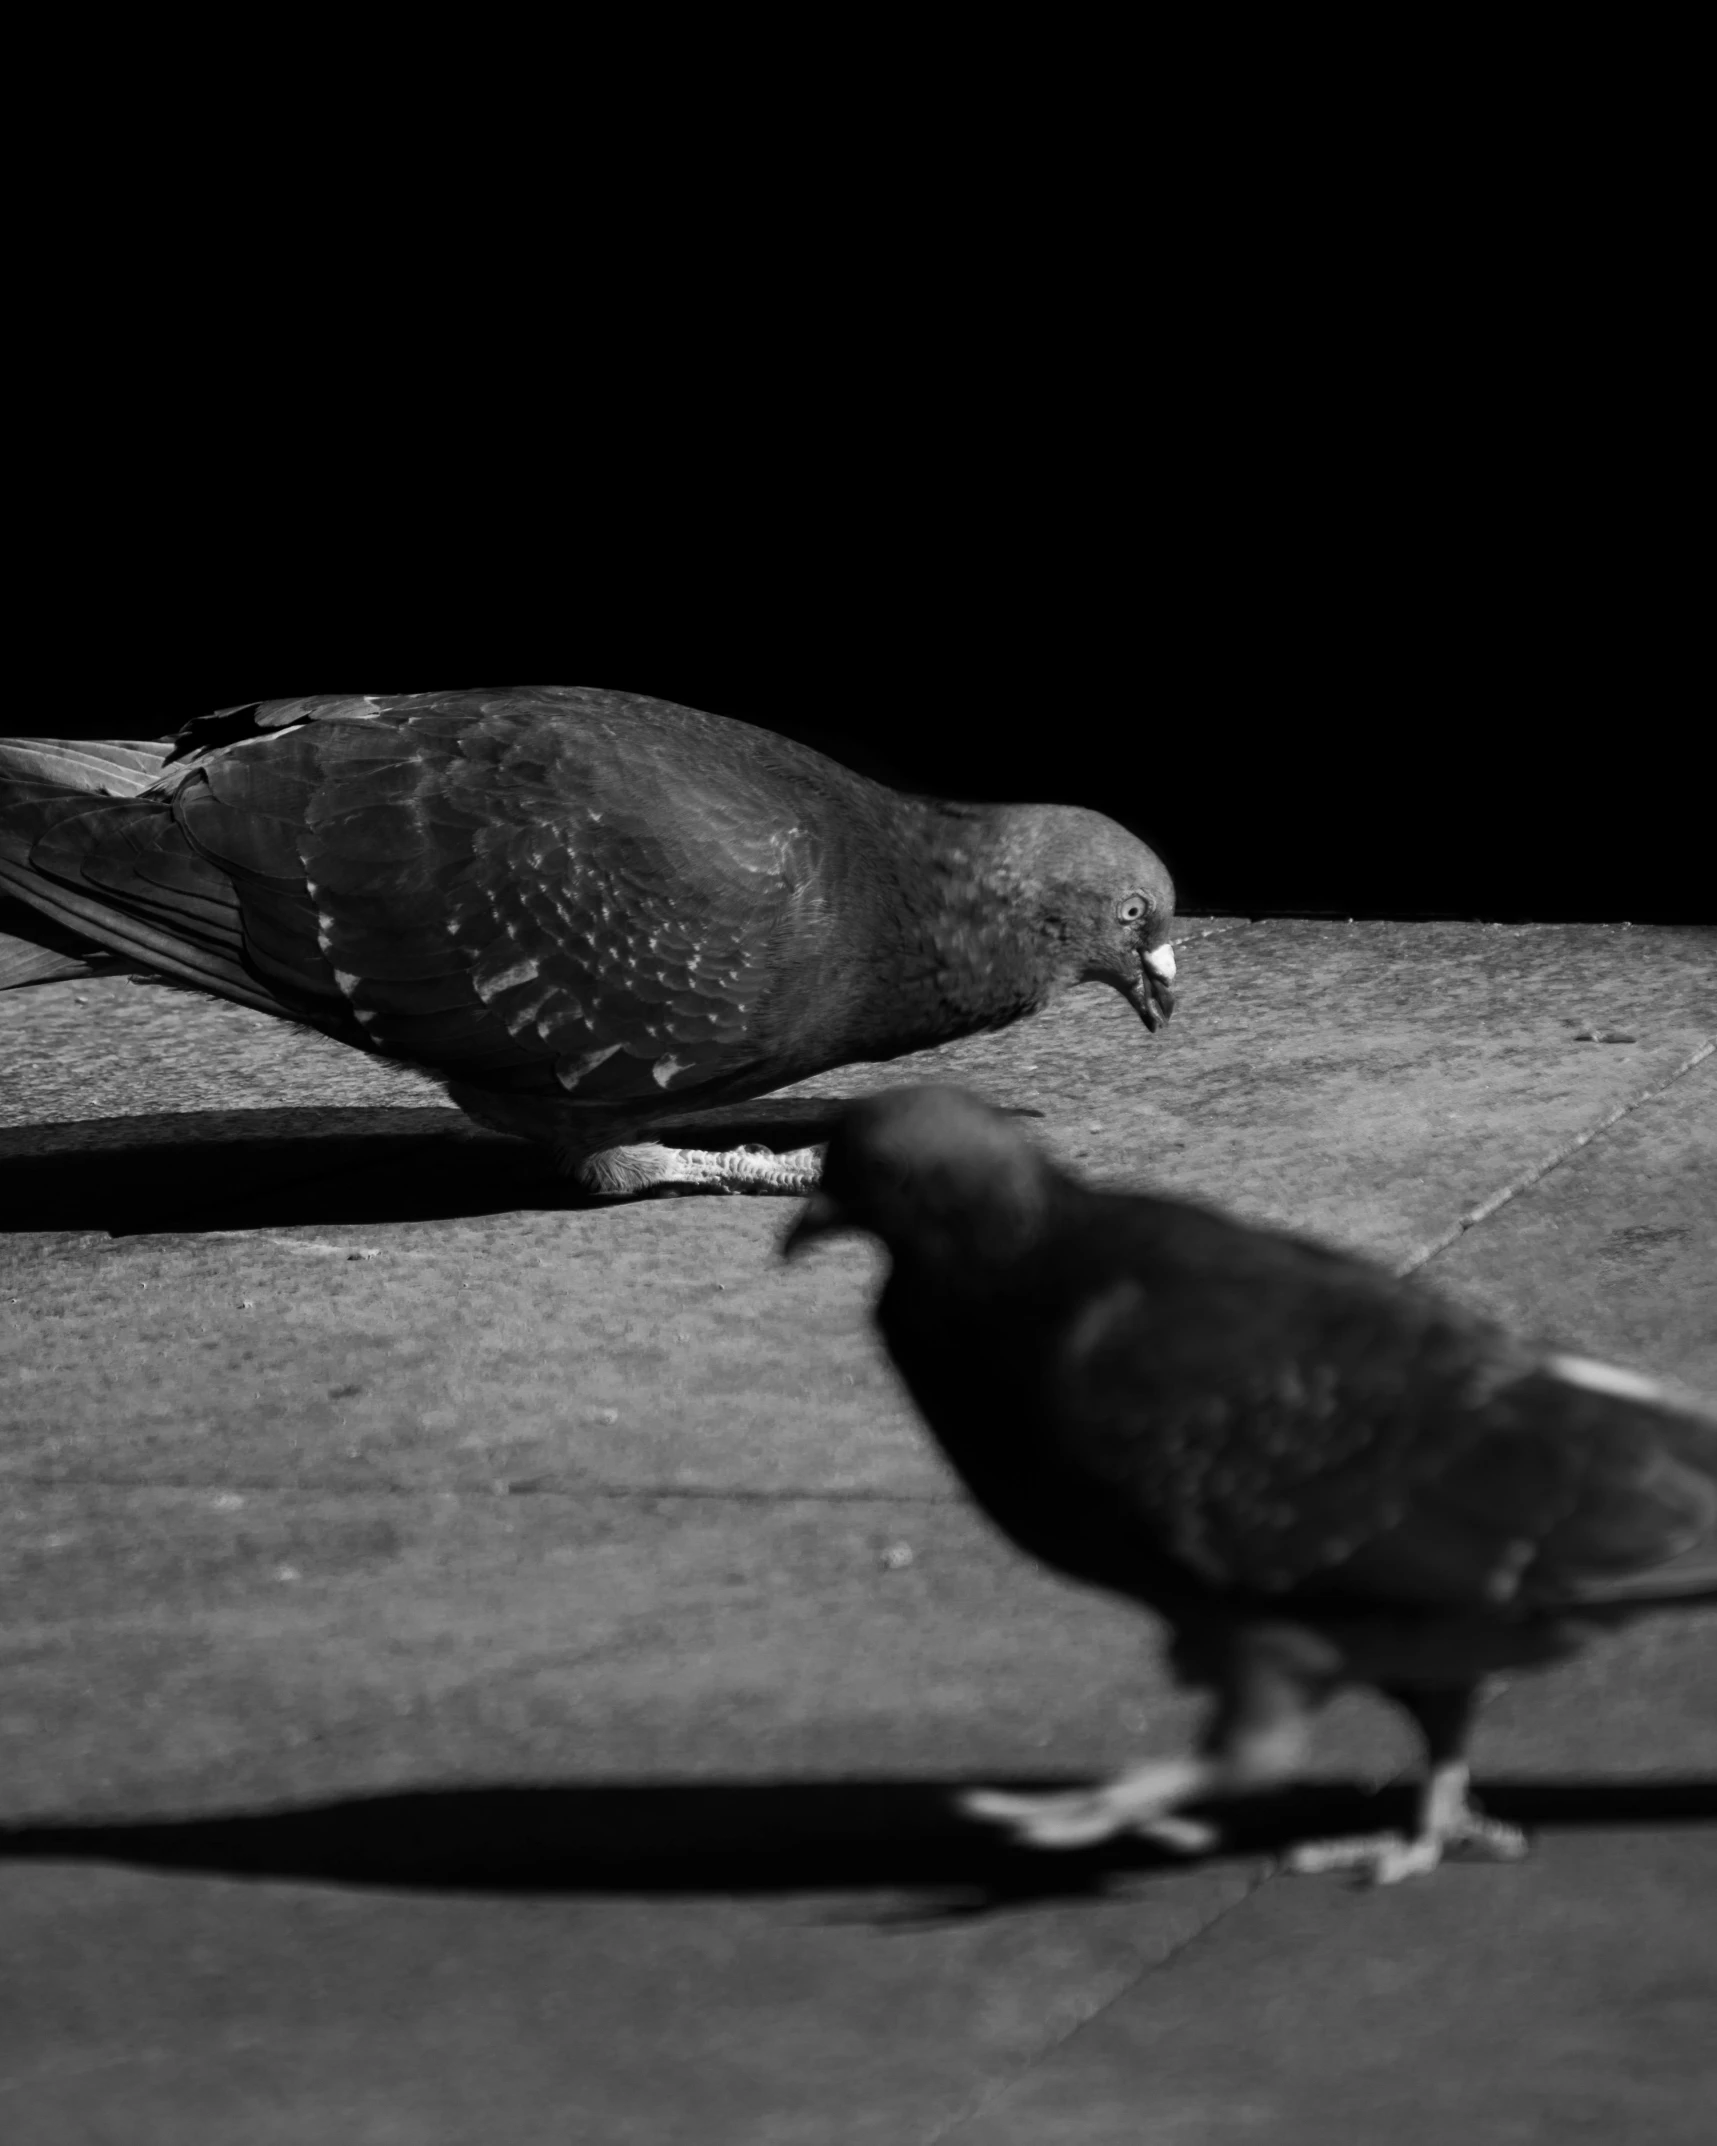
[
  {"x": 1103, "y": 894},
  {"x": 932, "y": 1172}
]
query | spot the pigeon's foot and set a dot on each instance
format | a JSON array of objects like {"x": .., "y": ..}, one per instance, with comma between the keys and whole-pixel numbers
[
  {"x": 1387, "y": 1858},
  {"x": 1449, "y": 1824},
  {"x": 650, "y": 1168},
  {"x": 1141, "y": 1801},
  {"x": 1377, "y": 1858}
]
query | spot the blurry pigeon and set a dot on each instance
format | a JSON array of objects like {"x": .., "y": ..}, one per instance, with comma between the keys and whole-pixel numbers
[
  {"x": 1318, "y": 1474},
  {"x": 587, "y": 912}
]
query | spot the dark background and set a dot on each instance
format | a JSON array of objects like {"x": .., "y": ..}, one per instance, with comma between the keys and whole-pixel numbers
[
  {"x": 1317, "y": 500},
  {"x": 1293, "y": 733}
]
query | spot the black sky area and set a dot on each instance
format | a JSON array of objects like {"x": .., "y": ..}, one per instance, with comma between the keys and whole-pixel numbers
[
  {"x": 1298, "y": 732},
  {"x": 1355, "y": 576},
  {"x": 1321, "y": 506}
]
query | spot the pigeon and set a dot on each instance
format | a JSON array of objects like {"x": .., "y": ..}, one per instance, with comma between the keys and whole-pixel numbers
[
  {"x": 1321, "y": 1476},
  {"x": 588, "y": 913}
]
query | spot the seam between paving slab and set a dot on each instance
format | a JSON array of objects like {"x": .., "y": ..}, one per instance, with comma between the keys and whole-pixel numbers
[
  {"x": 585, "y": 1492},
  {"x": 1534, "y": 1173},
  {"x": 1124, "y": 1988}
]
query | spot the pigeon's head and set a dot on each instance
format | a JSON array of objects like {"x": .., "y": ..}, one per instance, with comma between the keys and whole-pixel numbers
[
  {"x": 932, "y": 1172},
  {"x": 1104, "y": 897}
]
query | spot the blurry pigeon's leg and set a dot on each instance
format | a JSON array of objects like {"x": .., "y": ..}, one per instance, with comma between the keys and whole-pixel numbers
[
  {"x": 625, "y": 1172},
  {"x": 1141, "y": 1800},
  {"x": 1257, "y": 1736},
  {"x": 1446, "y": 1819}
]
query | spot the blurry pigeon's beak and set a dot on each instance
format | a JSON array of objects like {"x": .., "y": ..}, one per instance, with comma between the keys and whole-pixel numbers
[
  {"x": 820, "y": 1216},
  {"x": 1150, "y": 997}
]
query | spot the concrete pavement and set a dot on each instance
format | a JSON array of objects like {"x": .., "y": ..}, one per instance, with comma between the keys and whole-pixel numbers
[{"x": 479, "y": 1669}]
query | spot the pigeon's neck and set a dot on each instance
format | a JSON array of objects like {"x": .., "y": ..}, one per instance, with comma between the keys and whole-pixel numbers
[{"x": 960, "y": 960}]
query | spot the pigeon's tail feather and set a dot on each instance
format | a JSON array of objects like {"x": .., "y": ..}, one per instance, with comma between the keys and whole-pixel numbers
[
  {"x": 94, "y": 865},
  {"x": 35, "y": 950},
  {"x": 99, "y": 767},
  {"x": 133, "y": 938}
]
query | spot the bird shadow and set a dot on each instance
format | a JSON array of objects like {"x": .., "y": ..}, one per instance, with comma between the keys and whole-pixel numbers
[
  {"x": 186, "y": 1171},
  {"x": 270, "y": 1169},
  {"x": 267, "y": 1169},
  {"x": 762, "y": 1838}
]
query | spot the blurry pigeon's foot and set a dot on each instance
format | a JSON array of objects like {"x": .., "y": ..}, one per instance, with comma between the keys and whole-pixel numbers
[
  {"x": 1448, "y": 1825},
  {"x": 650, "y": 1168},
  {"x": 1379, "y": 1858},
  {"x": 1141, "y": 1801},
  {"x": 1387, "y": 1858}
]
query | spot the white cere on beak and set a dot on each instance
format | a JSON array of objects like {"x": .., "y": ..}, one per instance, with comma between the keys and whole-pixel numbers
[{"x": 1160, "y": 962}]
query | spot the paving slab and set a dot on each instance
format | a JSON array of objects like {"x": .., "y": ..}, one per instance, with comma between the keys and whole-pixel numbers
[
  {"x": 1566, "y": 1999},
  {"x": 483, "y": 1666},
  {"x": 1377, "y": 1084}
]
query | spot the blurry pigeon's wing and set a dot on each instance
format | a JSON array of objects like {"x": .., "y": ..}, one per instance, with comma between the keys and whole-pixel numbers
[
  {"x": 1273, "y": 1414},
  {"x": 1575, "y": 1484},
  {"x": 1282, "y": 1418},
  {"x": 590, "y": 905}
]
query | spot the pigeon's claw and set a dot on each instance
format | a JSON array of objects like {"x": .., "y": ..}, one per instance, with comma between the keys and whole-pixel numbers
[
  {"x": 1449, "y": 1824},
  {"x": 1076, "y": 1820},
  {"x": 1142, "y": 1801},
  {"x": 1387, "y": 1858},
  {"x": 1375, "y": 1858},
  {"x": 1489, "y": 1840}
]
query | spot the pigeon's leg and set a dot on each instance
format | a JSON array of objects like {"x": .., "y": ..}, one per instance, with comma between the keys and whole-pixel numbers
[
  {"x": 624, "y": 1170},
  {"x": 1446, "y": 1818},
  {"x": 1258, "y": 1736},
  {"x": 650, "y": 1167}
]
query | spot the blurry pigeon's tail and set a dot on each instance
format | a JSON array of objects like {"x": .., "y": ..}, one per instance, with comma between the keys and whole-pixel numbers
[{"x": 93, "y": 868}]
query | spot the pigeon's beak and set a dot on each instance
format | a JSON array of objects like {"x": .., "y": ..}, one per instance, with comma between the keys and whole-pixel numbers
[
  {"x": 1150, "y": 996},
  {"x": 820, "y": 1216}
]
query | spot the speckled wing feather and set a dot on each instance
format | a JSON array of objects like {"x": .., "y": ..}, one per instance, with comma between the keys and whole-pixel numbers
[
  {"x": 561, "y": 890},
  {"x": 1287, "y": 1420},
  {"x": 588, "y": 912}
]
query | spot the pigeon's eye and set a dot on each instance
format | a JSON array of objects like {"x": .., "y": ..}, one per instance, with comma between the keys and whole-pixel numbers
[{"x": 1130, "y": 910}]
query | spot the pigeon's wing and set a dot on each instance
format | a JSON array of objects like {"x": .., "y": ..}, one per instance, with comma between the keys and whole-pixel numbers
[
  {"x": 580, "y": 891},
  {"x": 113, "y": 868},
  {"x": 1577, "y": 1484},
  {"x": 1284, "y": 1419}
]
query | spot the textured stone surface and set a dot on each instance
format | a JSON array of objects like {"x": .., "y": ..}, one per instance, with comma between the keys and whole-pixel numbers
[
  {"x": 1494, "y": 2007},
  {"x": 533, "y": 1642}
]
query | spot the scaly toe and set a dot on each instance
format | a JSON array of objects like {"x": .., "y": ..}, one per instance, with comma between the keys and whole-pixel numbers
[
  {"x": 1082, "y": 1818},
  {"x": 1181, "y": 1836},
  {"x": 791, "y": 1172},
  {"x": 1370, "y": 1854},
  {"x": 1478, "y": 1839},
  {"x": 1070, "y": 1821}
]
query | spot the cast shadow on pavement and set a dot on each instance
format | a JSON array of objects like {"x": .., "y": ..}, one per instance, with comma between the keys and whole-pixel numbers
[
  {"x": 181, "y": 1172},
  {"x": 751, "y": 1838},
  {"x": 272, "y": 1169}
]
